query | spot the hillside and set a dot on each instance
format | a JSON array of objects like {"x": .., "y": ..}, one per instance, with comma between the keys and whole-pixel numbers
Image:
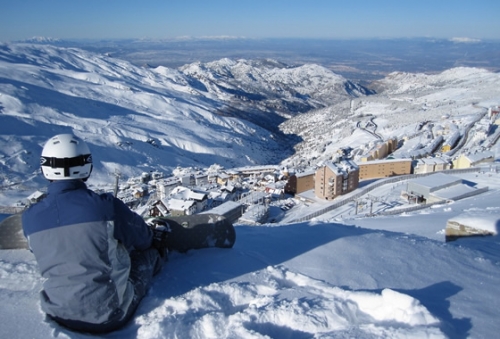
[
  {"x": 405, "y": 102},
  {"x": 274, "y": 87},
  {"x": 381, "y": 277},
  {"x": 141, "y": 119}
]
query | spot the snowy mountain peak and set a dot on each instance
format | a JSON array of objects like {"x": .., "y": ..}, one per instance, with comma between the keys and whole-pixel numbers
[
  {"x": 42, "y": 40},
  {"x": 285, "y": 89}
]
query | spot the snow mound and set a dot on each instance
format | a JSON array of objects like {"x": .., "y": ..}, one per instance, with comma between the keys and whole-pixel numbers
[
  {"x": 282, "y": 301},
  {"x": 484, "y": 219}
]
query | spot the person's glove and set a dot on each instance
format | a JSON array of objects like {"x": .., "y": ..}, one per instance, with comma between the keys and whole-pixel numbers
[{"x": 161, "y": 230}]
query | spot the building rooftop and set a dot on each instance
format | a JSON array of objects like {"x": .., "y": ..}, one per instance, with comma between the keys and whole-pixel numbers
[{"x": 436, "y": 180}]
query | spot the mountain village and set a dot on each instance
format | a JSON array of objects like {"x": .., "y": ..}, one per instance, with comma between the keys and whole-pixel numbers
[{"x": 249, "y": 195}]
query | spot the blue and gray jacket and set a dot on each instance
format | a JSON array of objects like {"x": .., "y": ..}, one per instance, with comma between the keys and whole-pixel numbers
[{"x": 81, "y": 241}]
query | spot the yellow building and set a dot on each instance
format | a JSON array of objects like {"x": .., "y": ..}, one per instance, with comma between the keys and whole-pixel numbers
[
  {"x": 451, "y": 141},
  {"x": 470, "y": 160},
  {"x": 382, "y": 150}
]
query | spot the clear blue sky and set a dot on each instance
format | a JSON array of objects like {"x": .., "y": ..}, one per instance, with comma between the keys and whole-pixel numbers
[{"x": 103, "y": 19}]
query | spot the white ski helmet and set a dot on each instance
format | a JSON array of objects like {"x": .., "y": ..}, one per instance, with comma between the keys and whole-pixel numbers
[{"x": 66, "y": 157}]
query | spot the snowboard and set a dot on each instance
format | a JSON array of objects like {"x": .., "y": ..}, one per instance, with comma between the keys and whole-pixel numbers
[
  {"x": 11, "y": 233},
  {"x": 186, "y": 232},
  {"x": 198, "y": 231}
]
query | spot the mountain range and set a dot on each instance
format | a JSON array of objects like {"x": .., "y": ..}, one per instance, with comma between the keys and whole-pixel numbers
[
  {"x": 229, "y": 112},
  {"x": 224, "y": 112}
]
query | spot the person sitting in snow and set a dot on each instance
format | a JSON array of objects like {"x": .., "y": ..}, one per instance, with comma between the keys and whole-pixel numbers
[{"x": 97, "y": 256}]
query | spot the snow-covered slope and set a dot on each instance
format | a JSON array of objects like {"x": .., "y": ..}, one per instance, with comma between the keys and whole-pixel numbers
[
  {"x": 134, "y": 119},
  {"x": 348, "y": 279},
  {"x": 451, "y": 99},
  {"x": 141, "y": 119}
]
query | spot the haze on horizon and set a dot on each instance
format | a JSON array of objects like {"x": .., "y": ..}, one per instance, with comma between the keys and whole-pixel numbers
[{"x": 321, "y": 19}]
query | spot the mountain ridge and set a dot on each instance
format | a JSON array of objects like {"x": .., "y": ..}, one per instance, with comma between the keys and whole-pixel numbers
[{"x": 156, "y": 119}]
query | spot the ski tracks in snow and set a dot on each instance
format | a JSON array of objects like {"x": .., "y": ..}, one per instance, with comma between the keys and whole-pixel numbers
[{"x": 275, "y": 303}]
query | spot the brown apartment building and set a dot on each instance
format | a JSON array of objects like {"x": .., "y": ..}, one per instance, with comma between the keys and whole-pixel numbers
[
  {"x": 300, "y": 182},
  {"x": 381, "y": 150},
  {"x": 384, "y": 168},
  {"x": 335, "y": 179}
]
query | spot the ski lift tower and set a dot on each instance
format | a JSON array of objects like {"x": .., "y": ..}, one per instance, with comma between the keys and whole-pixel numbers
[{"x": 117, "y": 180}]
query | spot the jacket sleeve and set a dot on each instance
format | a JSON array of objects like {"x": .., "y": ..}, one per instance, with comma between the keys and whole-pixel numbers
[{"x": 130, "y": 228}]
